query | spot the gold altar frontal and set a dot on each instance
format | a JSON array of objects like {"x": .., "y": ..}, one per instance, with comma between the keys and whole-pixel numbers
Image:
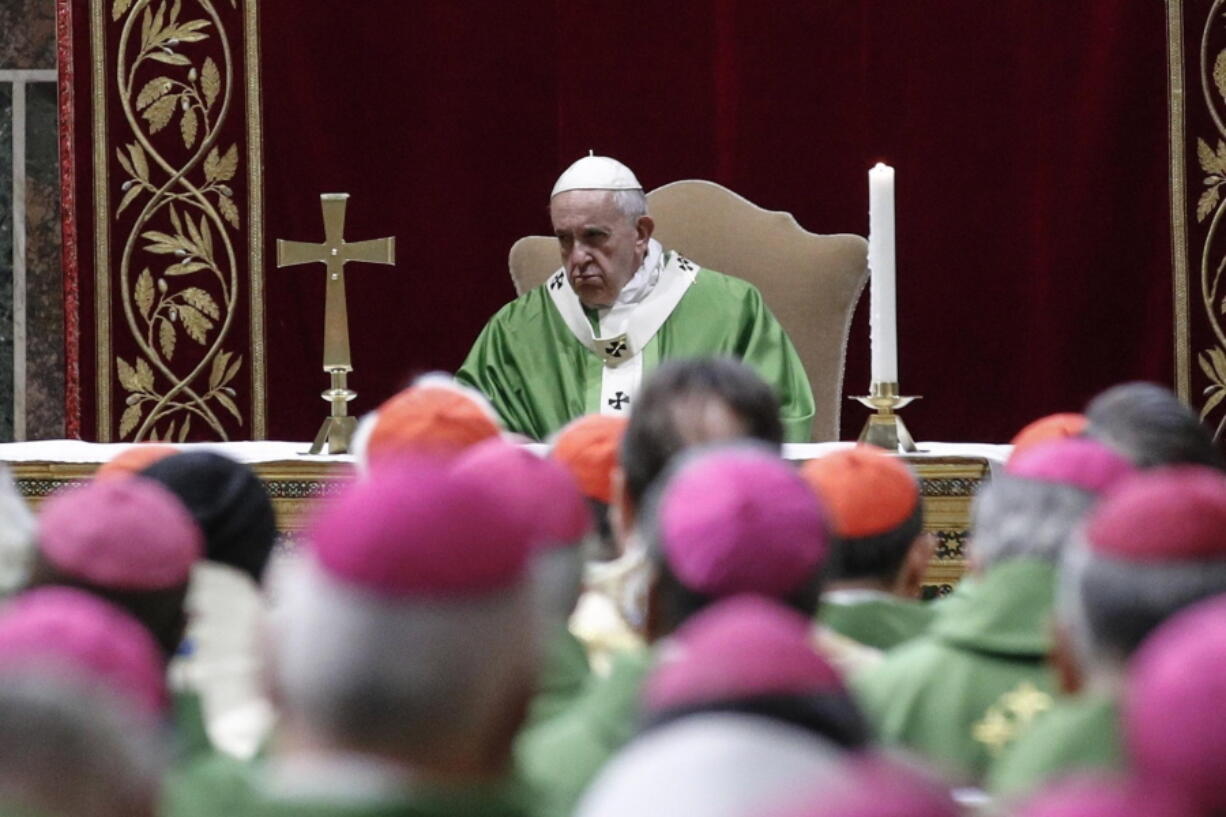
[{"x": 948, "y": 483}]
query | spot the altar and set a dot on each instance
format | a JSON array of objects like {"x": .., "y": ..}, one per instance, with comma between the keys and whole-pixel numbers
[{"x": 950, "y": 473}]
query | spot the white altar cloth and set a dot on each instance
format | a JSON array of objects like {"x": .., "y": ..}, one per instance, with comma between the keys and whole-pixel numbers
[{"x": 76, "y": 451}]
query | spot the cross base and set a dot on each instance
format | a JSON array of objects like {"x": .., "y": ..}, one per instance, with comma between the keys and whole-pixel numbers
[
  {"x": 337, "y": 431},
  {"x": 335, "y": 434}
]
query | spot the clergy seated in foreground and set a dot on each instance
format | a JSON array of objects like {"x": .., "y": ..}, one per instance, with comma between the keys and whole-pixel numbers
[
  {"x": 619, "y": 305},
  {"x": 729, "y": 521},
  {"x": 404, "y": 653},
  {"x": 880, "y": 548},
  {"x": 964, "y": 690},
  {"x": 1154, "y": 547}
]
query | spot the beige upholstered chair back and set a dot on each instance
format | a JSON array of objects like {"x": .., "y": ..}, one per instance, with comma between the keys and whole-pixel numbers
[{"x": 810, "y": 282}]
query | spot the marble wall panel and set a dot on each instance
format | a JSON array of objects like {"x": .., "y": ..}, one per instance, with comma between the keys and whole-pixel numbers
[
  {"x": 6, "y": 261},
  {"x": 44, "y": 283},
  {"x": 28, "y": 33}
]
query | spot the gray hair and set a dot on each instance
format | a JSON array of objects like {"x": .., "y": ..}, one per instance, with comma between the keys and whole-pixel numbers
[
  {"x": 405, "y": 677},
  {"x": 631, "y": 203},
  {"x": 1014, "y": 518},
  {"x": 1150, "y": 426},
  {"x": 75, "y": 751},
  {"x": 1109, "y": 605}
]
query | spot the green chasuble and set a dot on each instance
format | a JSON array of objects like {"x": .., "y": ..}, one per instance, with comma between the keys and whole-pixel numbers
[
  {"x": 224, "y": 787},
  {"x": 959, "y": 694},
  {"x": 558, "y": 759},
  {"x": 191, "y": 740},
  {"x": 881, "y": 621},
  {"x": 539, "y": 376},
  {"x": 1079, "y": 734},
  {"x": 563, "y": 677}
]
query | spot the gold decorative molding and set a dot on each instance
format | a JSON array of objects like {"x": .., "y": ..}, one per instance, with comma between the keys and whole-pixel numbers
[
  {"x": 1179, "y": 197},
  {"x": 102, "y": 227},
  {"x": 255, "y": 220}
]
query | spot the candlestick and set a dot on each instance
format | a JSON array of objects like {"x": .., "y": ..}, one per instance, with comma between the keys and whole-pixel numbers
[
  {"x": 882, "y": 317},
  {"x": 885, "y": 429}
]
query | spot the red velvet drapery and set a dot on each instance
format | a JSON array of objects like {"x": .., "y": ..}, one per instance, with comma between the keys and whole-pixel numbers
[{"x": 1030, "y": 140}]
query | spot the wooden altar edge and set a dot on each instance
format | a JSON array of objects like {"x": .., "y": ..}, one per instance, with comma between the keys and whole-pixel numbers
[{"x": 947, "y": 486}]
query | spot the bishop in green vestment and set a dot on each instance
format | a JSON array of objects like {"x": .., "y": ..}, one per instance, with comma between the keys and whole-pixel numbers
[
  {"x": 582, "y": 342},
  {"x": 961, "y": 693}
]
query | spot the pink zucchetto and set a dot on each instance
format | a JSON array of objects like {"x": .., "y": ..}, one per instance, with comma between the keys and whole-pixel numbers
[
  {"x": 875, "y": 785},
  {"x": 1075, "y": 461},
  {"x": 63, "y": 631},
  {"x": 738, "y": 648},
  {"x": 418, "y": 528},
  {"x": 123, "y": 534},
  {"x": 1166, "y": 514},
  {"x": 540, "y": 490},
  {"x": 1174, "y": 722},
  {"x": 740, "y": 520},
  {"x": 1101, "y": 795}
]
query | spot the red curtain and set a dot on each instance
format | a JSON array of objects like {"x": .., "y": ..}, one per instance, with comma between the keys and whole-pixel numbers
[{"x": 1029, "y": 138}]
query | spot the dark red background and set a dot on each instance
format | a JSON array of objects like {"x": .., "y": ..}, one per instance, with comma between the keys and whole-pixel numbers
[{"x": 1030, "y": 140}]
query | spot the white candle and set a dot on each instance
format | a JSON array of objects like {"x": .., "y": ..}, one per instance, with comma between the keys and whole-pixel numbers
[{"x": 883, "y": 330}]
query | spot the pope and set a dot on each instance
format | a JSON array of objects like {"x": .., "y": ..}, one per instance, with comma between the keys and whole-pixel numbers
[{"x": 582, "y": 342}]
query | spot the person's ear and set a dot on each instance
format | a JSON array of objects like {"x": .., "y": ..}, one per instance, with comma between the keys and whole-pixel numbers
[
  {"x": 1063, "y": 658},
  {"x": 643, "y": 230},
  {"x": 622, "y": 515},
  {"x": 911, "y": 578}
]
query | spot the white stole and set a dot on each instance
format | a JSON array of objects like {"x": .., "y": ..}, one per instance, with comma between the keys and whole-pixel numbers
[{"x": 621, "y": 352}]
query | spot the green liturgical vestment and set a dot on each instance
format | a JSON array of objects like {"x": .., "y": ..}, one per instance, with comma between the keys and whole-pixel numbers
[
  {"x": 883, "y": 621},
  {"x": 564, "y": 676},
  {"x": 542, "y": 360},
  {"x": 1080, "y": 733},
  {"x": 558, "y": 759},
  {"x": 962, "y": 692},
  {"x": 223, "y": 786}
]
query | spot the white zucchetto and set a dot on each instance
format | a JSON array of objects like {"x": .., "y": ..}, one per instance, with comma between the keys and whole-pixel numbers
[{"x": 596, "y": 173}]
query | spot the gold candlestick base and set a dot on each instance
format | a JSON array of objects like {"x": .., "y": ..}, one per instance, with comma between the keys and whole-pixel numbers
[
  {"x": 338, "y": 428},
  {"x": 885, "y": 429}
]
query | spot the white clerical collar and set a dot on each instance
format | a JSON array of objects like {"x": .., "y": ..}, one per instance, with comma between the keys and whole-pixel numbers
[
  {"x": 643, "y": 281},
  {"x": 341, "y": 776}
]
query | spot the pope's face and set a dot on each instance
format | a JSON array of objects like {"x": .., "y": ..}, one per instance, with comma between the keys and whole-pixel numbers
[{"x": 601, "y": 247}]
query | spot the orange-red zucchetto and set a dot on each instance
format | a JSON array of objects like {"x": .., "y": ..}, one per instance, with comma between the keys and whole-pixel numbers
[{"x": 866, "y": 491}]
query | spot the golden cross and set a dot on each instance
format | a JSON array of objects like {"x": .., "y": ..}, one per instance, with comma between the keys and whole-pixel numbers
[{"x": 334, "y": 253}]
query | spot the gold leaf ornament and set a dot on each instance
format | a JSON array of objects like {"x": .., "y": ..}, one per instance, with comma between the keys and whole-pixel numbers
[
  {"x": 188, "y": 127},
  {"x": 127, "y": 375},
  {"x": 154, "y": 90},
  {"x": 1213, "y": 364},
  {"x": 195, "y": 324},
  {"x": 1207, "y": 202},
  {"x": 203, "y": 301},
  {"x": 131, "y": 416},
  {"x": 170, "y": 58},
  {"x": 144, "y": 375},
  {"x": 1211, "y": 161},
  {"x": 210, "y": 82},
  {"x": 219, "y": 167},
  {"x": 159, "y": 113},
  {"x": 166, "y": 338},
  {"x": 140, "y": 165},
  {"x": 144, "y": 293},
  {"x": 219, "y": 370},
  {"x": 118, "y": 8},
  {"x": 226, "y": 401},
  {"x": 229, "y": 210}
]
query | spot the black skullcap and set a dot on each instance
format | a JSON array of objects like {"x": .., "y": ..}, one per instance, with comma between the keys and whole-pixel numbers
[{"x": 229, "y": 503}]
